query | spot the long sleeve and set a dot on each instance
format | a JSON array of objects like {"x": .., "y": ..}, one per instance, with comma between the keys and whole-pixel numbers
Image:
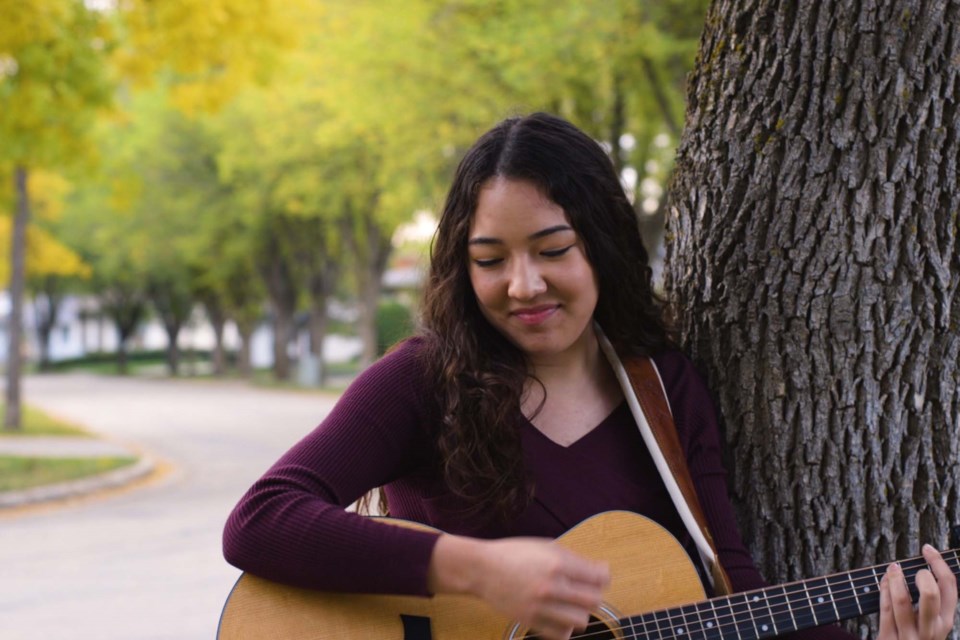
[
  {"x": 696, "y": 421},
  {"x": 292, "y": 527}
]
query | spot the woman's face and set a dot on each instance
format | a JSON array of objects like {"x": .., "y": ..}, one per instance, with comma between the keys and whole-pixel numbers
[{"x": 529, "y": 270}]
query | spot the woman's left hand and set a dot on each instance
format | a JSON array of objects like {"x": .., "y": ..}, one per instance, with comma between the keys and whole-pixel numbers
[{"x": 933, "y": 617}]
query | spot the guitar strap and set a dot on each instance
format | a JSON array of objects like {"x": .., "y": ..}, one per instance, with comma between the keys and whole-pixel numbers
[{"x": 647, "y": 399}]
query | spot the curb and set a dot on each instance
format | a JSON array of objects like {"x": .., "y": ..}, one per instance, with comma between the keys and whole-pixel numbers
[{"x": 84, "y": 486}]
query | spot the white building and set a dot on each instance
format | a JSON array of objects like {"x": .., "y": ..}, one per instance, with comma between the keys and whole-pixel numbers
[{"x": 81, "y": 330}]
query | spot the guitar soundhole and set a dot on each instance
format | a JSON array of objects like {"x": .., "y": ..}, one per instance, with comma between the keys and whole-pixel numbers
[{"x": 596, "y": 630}]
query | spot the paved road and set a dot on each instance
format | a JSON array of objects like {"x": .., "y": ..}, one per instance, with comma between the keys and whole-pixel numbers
[{"x": 144, "y": 563}]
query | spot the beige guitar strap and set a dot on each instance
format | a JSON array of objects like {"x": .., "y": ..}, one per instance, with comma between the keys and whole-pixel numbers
[{"x": 647, "y": 399}]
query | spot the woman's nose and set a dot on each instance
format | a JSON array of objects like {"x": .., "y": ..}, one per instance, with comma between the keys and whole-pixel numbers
[{"x": 526, "y": 281}]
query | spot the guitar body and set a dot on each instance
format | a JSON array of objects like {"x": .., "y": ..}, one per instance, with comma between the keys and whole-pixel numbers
[{"x": 649, "y": 571}]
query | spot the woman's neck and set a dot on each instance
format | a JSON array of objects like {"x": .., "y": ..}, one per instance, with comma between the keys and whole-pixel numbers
[
  {"x": 572, "y": 395},
  {"x": 575, "y": 371},
  {"x": 584, "y": 361}
]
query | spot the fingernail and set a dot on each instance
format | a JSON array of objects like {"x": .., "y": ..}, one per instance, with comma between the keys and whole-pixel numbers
[{"x": 928, "y": 547}]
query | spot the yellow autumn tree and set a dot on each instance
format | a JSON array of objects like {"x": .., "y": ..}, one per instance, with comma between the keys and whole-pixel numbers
[
  {"x": 57, "y": 72},
  {"x": 52, "y": 81}
]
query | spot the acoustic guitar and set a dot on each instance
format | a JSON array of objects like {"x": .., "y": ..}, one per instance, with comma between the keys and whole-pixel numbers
[{"x": 655, "y": 592}]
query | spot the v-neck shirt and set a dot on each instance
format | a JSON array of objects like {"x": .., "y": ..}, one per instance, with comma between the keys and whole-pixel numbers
[{"x": 292, "y": 525}]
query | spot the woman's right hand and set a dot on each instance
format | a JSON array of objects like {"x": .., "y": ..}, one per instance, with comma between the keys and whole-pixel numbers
[{"x": 534, "y": 581}]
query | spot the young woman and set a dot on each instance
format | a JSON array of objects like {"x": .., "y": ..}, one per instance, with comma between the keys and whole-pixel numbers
[{"x": 502, "y": 424}]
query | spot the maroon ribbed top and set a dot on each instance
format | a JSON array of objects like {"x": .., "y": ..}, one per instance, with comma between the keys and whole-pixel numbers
[{"x": 291, "y": 526}]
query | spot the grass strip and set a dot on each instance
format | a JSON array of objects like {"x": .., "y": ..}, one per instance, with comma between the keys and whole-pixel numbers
[
  {"x": 17, "y": 473},
  {"x": 37, "y": 423}
]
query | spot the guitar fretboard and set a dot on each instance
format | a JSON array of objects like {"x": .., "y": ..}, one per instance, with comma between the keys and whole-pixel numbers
[{"x": 774, "y": 611}]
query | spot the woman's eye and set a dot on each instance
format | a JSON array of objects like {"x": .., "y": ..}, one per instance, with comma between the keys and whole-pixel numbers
[
  {"x": 556, "y": 253},
  {"x": 486, "y": 262}
]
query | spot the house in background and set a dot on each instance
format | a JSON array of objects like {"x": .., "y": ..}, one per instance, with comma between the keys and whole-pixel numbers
[{"x": 81, "y": 330}]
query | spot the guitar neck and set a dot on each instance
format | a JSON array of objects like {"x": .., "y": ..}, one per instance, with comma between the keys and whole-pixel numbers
[{"x": 774, "y": 611}]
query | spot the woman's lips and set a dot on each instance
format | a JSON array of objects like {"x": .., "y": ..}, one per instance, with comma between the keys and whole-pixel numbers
[{"x": 535, "y": 315}]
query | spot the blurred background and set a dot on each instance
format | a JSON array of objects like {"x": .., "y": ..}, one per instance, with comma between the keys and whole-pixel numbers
[
  {"x": 249, "y": 187},
  {"x": 208, "y": 206}
]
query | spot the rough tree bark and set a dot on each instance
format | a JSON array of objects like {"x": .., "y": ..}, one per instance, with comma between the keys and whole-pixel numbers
[{"x": 813, "y": 232}]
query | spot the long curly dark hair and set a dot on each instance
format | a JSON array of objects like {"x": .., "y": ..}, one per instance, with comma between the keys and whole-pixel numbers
[{"x": 480, "y": 375}]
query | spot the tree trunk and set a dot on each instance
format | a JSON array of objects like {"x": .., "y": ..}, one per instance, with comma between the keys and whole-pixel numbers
[
  {"x": 618, "y": 122},
  {"x": 219, "y": 357},
  {"x": 318, "y": 332},
  {"x": 282, "y": 333},
  {"x": 174, "y": 304},
  {"x": 283, "y": 299},
  {"x": 46, "y": 307},
  {"x": 814, "y": 219},
  {"x": 372, "y": 249},
  {"x": 125, "y": 307},
  {"x": 18, "y": 277},
  {"x": 244, "y": 365},
  {"x": 173, "y": 349}
]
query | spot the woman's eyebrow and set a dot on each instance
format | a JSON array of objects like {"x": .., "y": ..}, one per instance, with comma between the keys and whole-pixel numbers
[
  {"x": 549, "y": 230},
  {"x": 532, "y": 236}
]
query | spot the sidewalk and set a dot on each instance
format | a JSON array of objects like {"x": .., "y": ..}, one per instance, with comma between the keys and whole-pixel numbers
[{"x": 71, "y": 447}]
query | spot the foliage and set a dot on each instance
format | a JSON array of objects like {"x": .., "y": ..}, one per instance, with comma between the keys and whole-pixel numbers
[
  {"x": 394, "y": 323},
  {"x": 210, "y": 48},
  {"x": 52, "y": 80},
  {"x": 330, "y": 124}
]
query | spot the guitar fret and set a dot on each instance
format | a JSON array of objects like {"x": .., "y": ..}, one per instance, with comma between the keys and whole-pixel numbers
[
  {"x": 833, "y": 600},
  {"x": 706, "y": 632},
  {"x": 690, "y": 628},
  {"x": 876, "y": 584},
  {"x": 866, "y": 589},
  {"x": 662, "y": 619},
  {"x": 761, "y": 615},
  {"x": 821, "y": 601},
  {"x": 776, "y": 610},
  {"x": 798, "y": 607},
  {"x": 813, "y": 612},
  {"x": 845, "y": 601},
  {"x": 631, "y": 622},
  {"x": 696, "y": 629},
  {"x": 650, "y": 627},
  {"x": 640, "y": 622},
  {"x": 856, "y": 593},
  {"x": 713, "y": 626},
  {"x": 743, "y": 618},
  {"x": 779, "y": 606}
]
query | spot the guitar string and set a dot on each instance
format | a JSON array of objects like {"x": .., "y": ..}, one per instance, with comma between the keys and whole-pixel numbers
[
  {"x": 722, "y": 627},
  {"x": 848, "y": 594},
  {"x": 738, "y": 619}
]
